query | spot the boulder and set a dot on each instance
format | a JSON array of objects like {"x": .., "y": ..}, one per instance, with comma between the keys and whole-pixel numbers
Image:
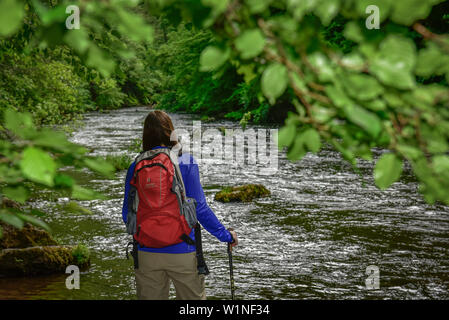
[
  {"x": 38, "y": 260},
  {"x": 244, "y": 193},
  {"x": 28, "y": 236},
  {"x": 31, "y": 251}
]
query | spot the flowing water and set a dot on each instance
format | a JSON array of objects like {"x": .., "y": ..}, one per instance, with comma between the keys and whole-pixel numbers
[{"x": 313, "y": 238}]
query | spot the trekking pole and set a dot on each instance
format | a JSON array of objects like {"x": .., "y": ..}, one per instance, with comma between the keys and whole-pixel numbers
[{"x": 231, "y": 269}]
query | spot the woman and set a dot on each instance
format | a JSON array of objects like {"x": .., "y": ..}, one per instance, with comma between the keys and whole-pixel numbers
[{"x": 176, "y": 262}]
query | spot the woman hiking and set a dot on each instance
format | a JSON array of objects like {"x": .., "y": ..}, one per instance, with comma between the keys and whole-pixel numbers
[{"x": 163, "y": 200}]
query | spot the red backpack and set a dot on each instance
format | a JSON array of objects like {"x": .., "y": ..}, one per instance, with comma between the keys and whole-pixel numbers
[{"x": 161, "y": 214}]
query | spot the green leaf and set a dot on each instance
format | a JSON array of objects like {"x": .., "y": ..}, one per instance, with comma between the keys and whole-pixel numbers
[
  {"x": 361, "y": 86},
  {"x": 54, "y": 15},
  {"x": 100, "y": 166},
  {"x": 19, "y": 194},
  {"x": 322, "y": 114},
  {"x": 78, "y": 40},
  {"x": 327, "y": 10},
  {"x": 301, "y": 7},
  {"x": 247, "y": 70},
  {"x": 133, "y": 25},
  {"x": 38, "y": 166},
  {"x": 375, "y": 105},
  {"x": 298, "y": 82},
  {"x": 440, "y": 164},
  {"x": 34, "y": 221},
  {"x": 286, "y": 135},
  {"x": 363, "y": 118},
  {"x": 250, "y": 43},
  {"x": 21, "y": 124},
  {"x": 353, "y": 61},
  {"x": 297, "y": 151},
  {"x": 212, "y": 58},
  {"x": 408, "y": 11},
  {"x": 395, "y": 61},
  {"x": 431, "y": 61},
  {"x": 353, "y": 32},
  {"x": 312, "y": 140},
  {"x": 274, "y": 81},
  {"x": 218, "y": 6},
  {"x": 410, "y": 152},
  {"x": 11, "y": 219},
  {"x": 307, "y": 140},
  {"x": 53, "y": 139},
  {"x": 388, "y": 169},
  {"x": 11, "y": 16},
  {"x": 322, "y": 66},
  {"x": 64, "y": 181},
  {"x": 80, "y": 193},
  {"x": 257, "y": 6},
  {"x": 100, "y": 60},
  {"x": 338, "y": 96}
]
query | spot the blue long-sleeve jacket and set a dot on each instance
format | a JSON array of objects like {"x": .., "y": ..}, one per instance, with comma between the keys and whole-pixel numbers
[{"x": 206, "y": 217}]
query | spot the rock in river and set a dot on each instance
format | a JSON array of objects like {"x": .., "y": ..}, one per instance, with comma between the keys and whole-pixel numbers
[
  {"x": 31, "y": 251},
  {"x": 244, "y": 193}
]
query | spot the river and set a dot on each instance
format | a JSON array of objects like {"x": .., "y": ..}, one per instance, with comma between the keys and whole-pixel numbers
[{"x": 313, "y": 238}]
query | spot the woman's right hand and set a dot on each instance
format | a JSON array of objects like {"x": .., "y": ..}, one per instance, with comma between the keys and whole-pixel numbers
[{"x": 234, "y": 237}]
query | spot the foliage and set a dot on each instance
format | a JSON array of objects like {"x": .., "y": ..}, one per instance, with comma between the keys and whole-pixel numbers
[
  {"x": 31, "y": 158},
  {"x": 107, "y": 94},
  {"x": 370, "y": 93},
  {"x": 56, "y": 73},
  {"x": 119, "y": 161},
  {"x": 81, "y": 254},
  {"x": 48, "y": 89},
  {"x": 51, "y": 74}
]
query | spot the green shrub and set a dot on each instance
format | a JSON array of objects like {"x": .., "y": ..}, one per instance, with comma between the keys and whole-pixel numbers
[
  {"x": 81, "y": 254},
  {"x": 107, "y": 94},
  {"x": 50, "y": 90},
  {"x": 120, "y": 161}
]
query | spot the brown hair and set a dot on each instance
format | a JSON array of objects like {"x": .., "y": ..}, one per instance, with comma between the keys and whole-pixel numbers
[{"x": 157, "y": 130}]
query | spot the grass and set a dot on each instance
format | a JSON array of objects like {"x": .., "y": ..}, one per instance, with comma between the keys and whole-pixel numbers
[
  {"x": 120, "y": 161},
  {"x": 136, "y": 146}
]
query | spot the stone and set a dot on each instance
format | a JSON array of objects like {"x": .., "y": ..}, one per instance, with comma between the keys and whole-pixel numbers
[{"x": 244, "y": 193}]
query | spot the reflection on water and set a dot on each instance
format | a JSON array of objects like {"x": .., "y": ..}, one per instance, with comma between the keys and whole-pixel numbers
[{"x": 311, "y": 239}]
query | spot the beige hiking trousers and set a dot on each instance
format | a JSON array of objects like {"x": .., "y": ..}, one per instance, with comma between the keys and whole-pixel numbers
[{"x": 157, "y": 269}]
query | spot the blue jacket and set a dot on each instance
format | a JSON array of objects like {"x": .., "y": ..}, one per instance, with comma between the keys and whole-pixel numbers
[{"x": 206, "y": 217}]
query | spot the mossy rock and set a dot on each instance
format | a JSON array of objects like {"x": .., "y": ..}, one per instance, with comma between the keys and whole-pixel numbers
[
  {"x": 244, "y": 193},
  {"x": 28, "y": 236},
  {"x": 31, "y": 251},
  {"x": 38, "y": 260}
]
